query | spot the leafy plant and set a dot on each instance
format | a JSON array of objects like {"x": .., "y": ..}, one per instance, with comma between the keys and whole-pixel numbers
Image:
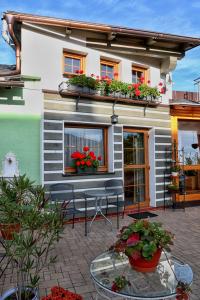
[
  {"x": 175, "y": 168},
  {"x": 173, "y": 187},
  {"x": 143, "y": 239},
  {"x": 31, "y": 248},
  {"x": 119, "y": 283},
  {"x": 85, "y": 159}
]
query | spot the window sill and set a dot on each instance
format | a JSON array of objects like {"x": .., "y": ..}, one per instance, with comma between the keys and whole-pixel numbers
[{"x": 89, "y": 174}]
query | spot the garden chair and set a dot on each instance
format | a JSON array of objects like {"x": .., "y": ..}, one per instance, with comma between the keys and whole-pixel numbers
[
  {"x": 116, "y": 187},
  {"x": 63, "y": 194}
]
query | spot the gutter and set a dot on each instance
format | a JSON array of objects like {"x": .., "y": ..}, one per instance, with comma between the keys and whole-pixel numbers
[{"x": 10, "y": 19}]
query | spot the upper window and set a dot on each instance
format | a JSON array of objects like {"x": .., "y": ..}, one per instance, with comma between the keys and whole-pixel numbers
[
  {"x": 73, "y": 63},
  {"x": 78, "y": 137},
  {"x": 109, "y": 69},
  {"x": 138, "y": 73}
]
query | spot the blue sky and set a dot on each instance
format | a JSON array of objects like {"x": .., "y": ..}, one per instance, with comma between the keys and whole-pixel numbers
[{"x": 171, "y": 16}]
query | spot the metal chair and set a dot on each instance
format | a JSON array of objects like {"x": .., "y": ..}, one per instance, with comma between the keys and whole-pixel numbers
[
  {"x": 63, "y": 193},
  {"x": 116, "y": 187}
]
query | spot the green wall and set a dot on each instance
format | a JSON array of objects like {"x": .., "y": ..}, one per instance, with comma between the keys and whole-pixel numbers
[{"x": 20, "y": 134}]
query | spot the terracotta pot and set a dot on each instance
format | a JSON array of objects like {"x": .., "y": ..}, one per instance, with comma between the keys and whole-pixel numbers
[
  {"x": 8, "y": 230},
  {"x": 143, "y": 265}
]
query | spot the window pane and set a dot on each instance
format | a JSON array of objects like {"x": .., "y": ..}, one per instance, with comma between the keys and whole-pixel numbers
[
  {"x": 107, "y": 71},
  {"x": 68, "y": 61},
  {"x": 68, "y": 69},
  {"x": 134, "y": 77},
  {"x": 188, "y": 135},
  {"x": 103, "y": 67},
  {"x": 134, "y": 148},
  {"x": 77, "y": 138},
  {"x": 76, "y": 62}
]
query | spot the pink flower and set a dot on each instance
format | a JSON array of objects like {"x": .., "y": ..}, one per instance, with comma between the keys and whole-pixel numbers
[
  {"x": 133, "y": 239},
  {"x": 92, "y": 75},
  {"x": 160, "y": 84}
]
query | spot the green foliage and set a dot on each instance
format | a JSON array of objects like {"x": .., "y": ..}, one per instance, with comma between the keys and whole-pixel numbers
[
  {"x": 175, "y": 168},
  {"x": 40, "y": 229},
  {"x": 173, "y": 187},
  {"x": 84, "y": 81},
  {"x": 143, "y": 239}
]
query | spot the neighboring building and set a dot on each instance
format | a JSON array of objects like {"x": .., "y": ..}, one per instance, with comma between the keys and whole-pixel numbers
[
  {"x": 185, "y": 112},
  {"x": 134, "y": 148}
]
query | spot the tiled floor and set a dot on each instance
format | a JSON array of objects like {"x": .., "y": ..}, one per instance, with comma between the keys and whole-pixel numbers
[{"x": 75, "y": 252}]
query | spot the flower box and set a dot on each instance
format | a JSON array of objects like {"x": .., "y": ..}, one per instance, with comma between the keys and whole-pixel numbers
[{"x": 88, "y": 170}]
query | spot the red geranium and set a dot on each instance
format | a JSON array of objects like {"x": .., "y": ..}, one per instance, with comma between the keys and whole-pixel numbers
[
  {"x": 115, "y": 74},
  {"x": 160, "y": 84},
  {"x": 149, "y": 81},
  {"x": 133, "y": 239},
  {"x": 99, "y": 158},
  {"x": 80, "y": 71},
  {"x": 86, "y": 148},
  {"x": 137, "y": 93},
  {"x": 88, "y": 163},
  {"x": 78, "y": 163},
  {"x": 58, "y": 293}
]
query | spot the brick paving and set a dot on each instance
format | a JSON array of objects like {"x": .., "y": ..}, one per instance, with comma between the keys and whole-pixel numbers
[{"x": 75, "y": 252}]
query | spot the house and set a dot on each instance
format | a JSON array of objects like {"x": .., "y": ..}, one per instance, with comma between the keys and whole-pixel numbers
[{"x": 133, "y": 142}]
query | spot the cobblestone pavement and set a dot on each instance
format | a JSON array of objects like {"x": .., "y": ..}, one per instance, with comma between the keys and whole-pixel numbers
[{"x": 75, "y": 252}]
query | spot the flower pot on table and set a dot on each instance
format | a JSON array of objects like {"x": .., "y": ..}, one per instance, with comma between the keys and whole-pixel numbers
[{"x": 142, "y": 265}]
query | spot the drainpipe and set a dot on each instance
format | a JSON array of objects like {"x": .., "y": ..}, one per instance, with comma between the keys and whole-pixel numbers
[{"x": 9, "y": 20}]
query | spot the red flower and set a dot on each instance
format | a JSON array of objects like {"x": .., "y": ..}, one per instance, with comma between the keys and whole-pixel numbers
[
  {"x": 82, "y": 162},
  {"x": 88, "y": 163},
  {"x": 115, "y": 74},
  {"x": 135, "y": 255},
  {"x": 80, "y": 71},
  {"x": 91, "y": 153},
  {"x": 78, "y": 163},
  {"x": 114, "y": 287},
  {"x": 133, "y": 239},
  {"x": 103, "y": 77},
  {"x": 160, "y": 84},
  {"x": 76, "y": 155},
  {"x": 149, "y": 81},
  {"x": 86, "y": 148},
  {"x": 92, "y": 75},
  {"x": 137, "y": 92},
  {"x": 136, "y": 85},
  {"x": 99, "y": 158},
  {"x": 163, "y": 90},
  {"x": 77, "y": 71},
  {"x": 142, "y": 79}
]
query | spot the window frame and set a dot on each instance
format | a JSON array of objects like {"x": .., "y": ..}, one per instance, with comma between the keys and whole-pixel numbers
[
  {"x": 142, "y": 70},
  {"x": 110, "y": 63},
  {"x": 103, "y": 168},
  {"x": 81, "y": 57}
]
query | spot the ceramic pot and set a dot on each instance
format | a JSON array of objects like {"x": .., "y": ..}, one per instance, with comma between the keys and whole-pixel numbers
[
  {"x": 8, "y": 230},
  {"x": 12, "y": 292},
  {"x": 142, "y": 265}
]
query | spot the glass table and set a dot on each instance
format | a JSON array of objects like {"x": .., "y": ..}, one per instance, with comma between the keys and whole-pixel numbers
[{"x": 160, "y": 284}]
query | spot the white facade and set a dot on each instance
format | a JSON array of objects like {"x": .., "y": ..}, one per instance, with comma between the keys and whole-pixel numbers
[{"x": 42, "y": 55}]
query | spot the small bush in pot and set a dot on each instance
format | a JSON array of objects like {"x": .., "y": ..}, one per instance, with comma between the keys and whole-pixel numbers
[
  {"x": 31, "y": 248},
  {"x": 142, "y": 242}
]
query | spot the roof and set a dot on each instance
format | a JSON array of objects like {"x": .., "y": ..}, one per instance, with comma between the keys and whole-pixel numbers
[{"x": 148, "y": 39}]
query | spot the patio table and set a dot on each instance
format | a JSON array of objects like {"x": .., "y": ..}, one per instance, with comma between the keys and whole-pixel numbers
[
  {"x": 98, "y": 195},
  {"x": 160, "y": 284}
]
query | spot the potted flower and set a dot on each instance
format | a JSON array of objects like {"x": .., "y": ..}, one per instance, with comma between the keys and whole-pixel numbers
[
  {"x": 142, "y": 242},
  {"x": 58, "y": 292},
  {"x": 175, "y": 171},
  {"x": 31, "y": 248},
  {"x": 173, "y": 188},
  {"x": 86, "y": 161}
]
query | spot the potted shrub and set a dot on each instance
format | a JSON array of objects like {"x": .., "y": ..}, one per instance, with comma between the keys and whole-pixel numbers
[
  {"x": 142, "y": 242},
  {"x": 31, "y": 248},
  {"x": 86, "y": 161},
  {"x": 175, "y": 171},
  {"x": 173, "y": 188},
  {"x": 13, "y": 193}
]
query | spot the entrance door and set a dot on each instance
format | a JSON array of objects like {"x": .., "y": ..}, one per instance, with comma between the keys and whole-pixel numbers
[{"x": 136, "y": 167}]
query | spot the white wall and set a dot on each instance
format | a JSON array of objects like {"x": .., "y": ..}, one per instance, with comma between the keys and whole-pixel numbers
[{"x": 42, "y": 55}]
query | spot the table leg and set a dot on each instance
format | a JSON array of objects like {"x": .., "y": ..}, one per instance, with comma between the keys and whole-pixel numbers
[{"x": 85, "y": 216}]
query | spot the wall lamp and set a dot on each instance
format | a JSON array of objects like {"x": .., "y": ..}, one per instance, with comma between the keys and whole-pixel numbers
[{"x": 114, "y": 117}]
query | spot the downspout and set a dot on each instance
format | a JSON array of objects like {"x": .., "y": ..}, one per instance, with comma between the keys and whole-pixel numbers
[{"x": 9, "y": 19}]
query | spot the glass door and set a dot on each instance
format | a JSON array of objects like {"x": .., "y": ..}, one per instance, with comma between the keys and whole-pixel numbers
[{"x": 136, "y": 167}]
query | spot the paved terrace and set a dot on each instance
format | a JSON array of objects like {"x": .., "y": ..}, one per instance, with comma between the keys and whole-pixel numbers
[{"x": 75, "y": 252}]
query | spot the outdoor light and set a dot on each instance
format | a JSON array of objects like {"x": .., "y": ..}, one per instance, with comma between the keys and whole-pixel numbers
[{"x": 114, "y": 119}]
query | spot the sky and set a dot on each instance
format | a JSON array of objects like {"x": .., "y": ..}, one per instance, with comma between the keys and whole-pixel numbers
[{"x": 168, "y": 16}]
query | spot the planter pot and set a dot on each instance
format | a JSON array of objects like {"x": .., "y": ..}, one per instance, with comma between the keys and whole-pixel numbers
[
  {"x": 8, "y": 230},
  {"x": 143, "y": 265},
  {"x": 173, "y": 191},
  {"x": 89, "y": 170},
  {"x": 175, "y": 174},
  {"x": 10, "y": 294}
]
